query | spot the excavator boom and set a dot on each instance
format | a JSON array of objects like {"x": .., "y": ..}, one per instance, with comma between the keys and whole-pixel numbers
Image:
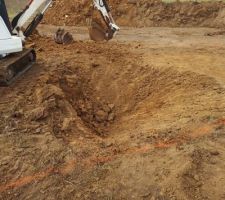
[{"x": 20, "y": 21}]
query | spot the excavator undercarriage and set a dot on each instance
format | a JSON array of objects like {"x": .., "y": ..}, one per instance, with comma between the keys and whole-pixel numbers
[{"x": 14, "y": 65}]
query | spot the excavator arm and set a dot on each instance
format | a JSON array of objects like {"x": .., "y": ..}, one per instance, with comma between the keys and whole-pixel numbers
[{"x": 20, "y": 24}]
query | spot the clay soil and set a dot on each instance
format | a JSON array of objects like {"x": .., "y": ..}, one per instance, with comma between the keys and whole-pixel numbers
[{"x": 139, "y": 117}]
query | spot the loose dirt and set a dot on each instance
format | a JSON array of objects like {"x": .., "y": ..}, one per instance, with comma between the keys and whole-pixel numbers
[
  {"x": 139, "y": 117},
  {"x": 142, "y": 13}
]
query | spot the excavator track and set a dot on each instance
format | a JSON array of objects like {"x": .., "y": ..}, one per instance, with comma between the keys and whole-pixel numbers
[{"x": 14, "y": 65}]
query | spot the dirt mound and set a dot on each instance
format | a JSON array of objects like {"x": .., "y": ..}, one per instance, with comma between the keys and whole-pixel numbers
[{"x": 141, "y": 13}]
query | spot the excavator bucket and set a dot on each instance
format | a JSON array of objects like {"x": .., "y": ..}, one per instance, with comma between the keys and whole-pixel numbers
[
  {"x": 99, "y": 29},
  {"x": 63, "y": 37},
  {"x": 96, "y": 32},
  {"x": 15, "y": 65}
]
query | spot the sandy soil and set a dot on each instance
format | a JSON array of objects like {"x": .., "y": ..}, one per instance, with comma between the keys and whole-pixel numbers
[{"x": 139, "y": 117}]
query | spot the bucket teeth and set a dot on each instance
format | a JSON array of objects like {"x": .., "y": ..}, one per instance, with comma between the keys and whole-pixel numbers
[{"x": 14, "y": 65}]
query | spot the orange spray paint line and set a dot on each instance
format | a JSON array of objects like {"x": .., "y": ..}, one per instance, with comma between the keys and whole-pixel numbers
[
  {"x": 26, "y": 180},
  {"x": 69, "y": 166}
]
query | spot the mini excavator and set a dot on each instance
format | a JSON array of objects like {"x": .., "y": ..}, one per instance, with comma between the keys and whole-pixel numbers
[{"x": 15, "y": 59}]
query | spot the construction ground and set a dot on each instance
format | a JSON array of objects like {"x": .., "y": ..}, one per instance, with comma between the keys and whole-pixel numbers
[{"x": 139, "y": 117}]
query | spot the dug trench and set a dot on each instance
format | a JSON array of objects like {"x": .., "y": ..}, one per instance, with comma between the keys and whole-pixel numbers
[
  {"x": 97, "y": 122},
  {"x": 105, "y": 89}
]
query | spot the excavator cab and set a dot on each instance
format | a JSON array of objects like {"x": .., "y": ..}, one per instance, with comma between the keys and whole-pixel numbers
[
  {"x": 8, "y": 43},
  {"x": 4, "y": 14}
]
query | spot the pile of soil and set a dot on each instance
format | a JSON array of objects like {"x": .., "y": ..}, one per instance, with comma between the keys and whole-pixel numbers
[{"x": 141, "y": 13}]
